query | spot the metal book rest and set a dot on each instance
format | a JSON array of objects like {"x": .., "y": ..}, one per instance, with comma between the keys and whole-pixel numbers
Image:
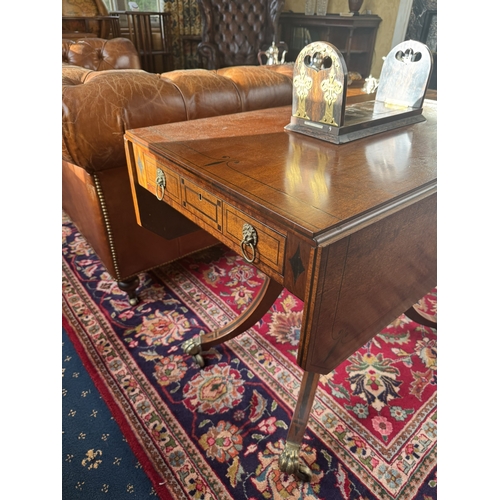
[{"x": 320, "y": 86}]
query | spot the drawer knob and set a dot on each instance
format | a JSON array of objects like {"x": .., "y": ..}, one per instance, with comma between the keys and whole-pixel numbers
[
  {"x": 161, "y": 182},
  {"x": 249, "y": 240}
]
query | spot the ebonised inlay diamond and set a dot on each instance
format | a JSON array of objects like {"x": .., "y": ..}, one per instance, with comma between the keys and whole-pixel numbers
[{"x": 297, "y": 266}]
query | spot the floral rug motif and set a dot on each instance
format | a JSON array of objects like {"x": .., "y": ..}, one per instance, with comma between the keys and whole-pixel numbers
[{"x": 217, "y": 432}]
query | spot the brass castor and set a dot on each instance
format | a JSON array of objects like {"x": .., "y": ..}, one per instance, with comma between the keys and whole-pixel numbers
[
  {"x": 193, "y": 348},
  {"x": 129, "y": 286},
  {"x": 290, "y": 463}
]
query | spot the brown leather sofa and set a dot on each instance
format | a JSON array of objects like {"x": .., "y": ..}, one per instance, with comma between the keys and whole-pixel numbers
[{"x": 99, "y": 104}]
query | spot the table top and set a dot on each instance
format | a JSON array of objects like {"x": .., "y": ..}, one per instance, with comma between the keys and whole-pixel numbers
[{"x": 307, "y": 185}]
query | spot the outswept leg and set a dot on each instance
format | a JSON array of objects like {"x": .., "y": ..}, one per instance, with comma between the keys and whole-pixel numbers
[
  {"x": 261, "y": 304},
  {"x": 414, "y": 315}
]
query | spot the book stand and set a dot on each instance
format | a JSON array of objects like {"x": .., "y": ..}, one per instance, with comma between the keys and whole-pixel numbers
[{"x": 320, "y": 86}]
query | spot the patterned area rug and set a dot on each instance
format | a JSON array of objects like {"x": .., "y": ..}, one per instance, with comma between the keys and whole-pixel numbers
[{"x": 217, "y": 432}]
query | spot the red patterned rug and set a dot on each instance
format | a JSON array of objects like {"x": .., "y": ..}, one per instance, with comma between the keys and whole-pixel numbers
[{"x": 217, "y": 432}]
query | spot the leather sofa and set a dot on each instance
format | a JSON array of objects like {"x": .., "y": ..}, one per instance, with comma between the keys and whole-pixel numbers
[{"x": 103, "y": 94}]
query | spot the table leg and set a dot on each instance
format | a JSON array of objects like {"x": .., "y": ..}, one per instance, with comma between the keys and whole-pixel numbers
[
  {"x": 261, "y": 304},
  {"x": 414, "y": 315},
  {"x": 289, "y": 461}
]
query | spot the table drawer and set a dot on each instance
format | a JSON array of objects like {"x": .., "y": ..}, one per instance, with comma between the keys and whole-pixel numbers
[
  {"x": 270, "y": 245},
  {"x": 202, "y": 204}
]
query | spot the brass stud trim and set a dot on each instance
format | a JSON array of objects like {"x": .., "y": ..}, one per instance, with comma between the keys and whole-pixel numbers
[{"x": 107, "y": 225}]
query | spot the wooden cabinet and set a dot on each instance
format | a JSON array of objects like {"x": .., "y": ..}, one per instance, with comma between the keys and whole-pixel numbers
[{"x": 354, "y": 36}]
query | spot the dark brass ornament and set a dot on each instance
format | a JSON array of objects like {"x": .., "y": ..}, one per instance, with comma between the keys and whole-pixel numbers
[
  {"x": 249, "y": 240},
  {"x": 161, "y": 183}
]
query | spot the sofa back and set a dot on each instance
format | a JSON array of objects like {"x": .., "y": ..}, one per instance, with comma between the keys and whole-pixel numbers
[
  {"x": 99, "y": 106},
  {"x": 98, "y": 54}
]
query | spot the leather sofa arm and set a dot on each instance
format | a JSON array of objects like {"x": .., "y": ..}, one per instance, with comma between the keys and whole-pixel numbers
[{"x": 97, "y": 111}]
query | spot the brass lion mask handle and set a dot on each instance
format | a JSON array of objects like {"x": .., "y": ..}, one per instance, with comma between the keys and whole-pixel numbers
[
  {"x": 249, "y": 240},
  {"x": 161, "y": 183}
]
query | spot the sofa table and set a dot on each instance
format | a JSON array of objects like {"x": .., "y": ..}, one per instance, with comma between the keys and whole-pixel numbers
[{"x": 349, "y": 229}]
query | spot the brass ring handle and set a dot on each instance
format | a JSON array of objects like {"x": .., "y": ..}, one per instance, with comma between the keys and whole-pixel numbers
[
  {"x": 249, "y": 239},
  {"x": 161, "y": 182},
  {"x": 160, "y": 197},
  {"x": 248, "y": 259}
]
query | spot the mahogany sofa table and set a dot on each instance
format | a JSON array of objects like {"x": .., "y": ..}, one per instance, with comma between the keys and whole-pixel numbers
[{"x": 349, "y": 229}]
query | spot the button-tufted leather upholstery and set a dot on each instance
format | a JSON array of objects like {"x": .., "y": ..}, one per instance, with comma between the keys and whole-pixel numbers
[
  {"x": 234, "y": 31},
  {"x": 98, "y": 106},
  {"x": 99, "y": 54}
]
